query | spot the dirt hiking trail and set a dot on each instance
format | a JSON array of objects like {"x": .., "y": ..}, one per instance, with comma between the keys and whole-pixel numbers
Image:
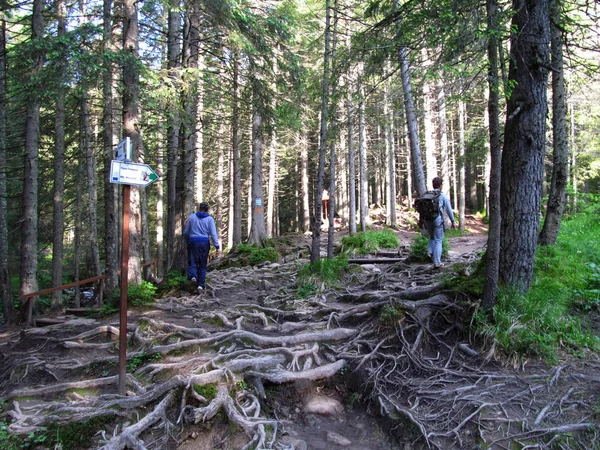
[{"x": 384, "y": 361}]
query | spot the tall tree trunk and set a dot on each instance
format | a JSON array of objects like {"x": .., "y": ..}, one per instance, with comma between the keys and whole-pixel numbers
[
  {"x": 236, "y": 227},
  {"x": 351, "y": 166},
  {"x": 258, "y": 231},
  {"x": 315, "y": 252},
  {"x": 131, "y": 118},
  {"x": 331, "y": 206},
  {"x": 108, "y": 138},
  {"x": 391, "y": 156},
  {"x": 560, "y": 143},
  {"x": 462, "y": 172},
  {"x": 173, "y": 129},
  {"x": 220, "y": 206},
  {"x": 304, "y": 181},
  {"x": 29, "y": 227},
  {"x": 90, "y": 162},
  {"x": 524, "y": 142},
  {"x": 362, "y": 162},
  {"x": 271, "y": 194},
  {"x": 443, "y": 135},
  {"x": 160, "y": 211},
  {"x": 417, "y": 175},
  {"x": 199, "y": 140},
  {"x": 58, "y": 215},
  {"x": 492, "y": 257},
  {"x": 431, "y": 163},
  {"x": 8, "y": 310},
  {"x": 191, "y": 58}
]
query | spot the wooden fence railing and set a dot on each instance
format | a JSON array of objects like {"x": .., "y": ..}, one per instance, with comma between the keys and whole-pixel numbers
[{"x": 27, "y": 300}]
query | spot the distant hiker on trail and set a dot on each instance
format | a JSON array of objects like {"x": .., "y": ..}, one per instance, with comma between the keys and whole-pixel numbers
[
  {"x": 431, "y": 207},
  {"x": 325, "y": 198},
  {"x": 199, "y": 229}
]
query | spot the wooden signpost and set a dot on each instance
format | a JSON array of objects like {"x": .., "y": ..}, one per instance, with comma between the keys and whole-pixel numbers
[{"x": 123, "y": 171}]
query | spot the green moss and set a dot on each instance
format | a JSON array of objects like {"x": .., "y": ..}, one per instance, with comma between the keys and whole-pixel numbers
[{"x": 208, "y": 391}]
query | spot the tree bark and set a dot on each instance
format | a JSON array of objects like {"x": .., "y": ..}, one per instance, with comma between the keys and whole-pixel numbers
[
  {"x": 362, "y": 162},
  {"x": 108, "y": 138},
  {"x": 524, "y": 142},
  {"x": 258, "y": 231},
  {"x": 131, "y": 118},
  {"x": 417, "y": 175},
  {"x": 173, "y": 128},
  {"x": 391, "y": 156},
  {"x": 560, "y": 142},
  {"x": 317, "y": 217},
  {"x": 304, "y": 182},
  {"x": 492, "y": 257},
  {"x": 462, "y": 172},
  {"x": 351, "y": 167},
  {"x": 58, "y": 215},
  {"x": 236, "y": 226},
  {"x": 8, "y": 309},
  {"x": 29, "y": 225}
]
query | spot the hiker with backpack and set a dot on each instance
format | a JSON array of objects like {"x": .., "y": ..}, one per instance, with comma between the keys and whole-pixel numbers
[
  {"x": 199, "y": 229},
  {"x": 431, "y": 208}
]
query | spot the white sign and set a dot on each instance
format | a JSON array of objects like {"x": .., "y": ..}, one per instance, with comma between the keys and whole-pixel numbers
[
  {"x": 132, "y": 174},
  {"x": 123, "y": 152}
]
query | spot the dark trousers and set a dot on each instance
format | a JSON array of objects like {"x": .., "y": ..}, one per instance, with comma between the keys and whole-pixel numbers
[{"x": 197, "y": 260}]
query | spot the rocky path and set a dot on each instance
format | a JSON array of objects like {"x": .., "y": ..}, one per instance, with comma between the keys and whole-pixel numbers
[{"x": 383, "y": 361}]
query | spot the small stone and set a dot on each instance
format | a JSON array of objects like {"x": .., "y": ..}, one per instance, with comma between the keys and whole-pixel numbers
[
  {"x": 338, "y": 439},
  {"x": 323, "y": 405}
]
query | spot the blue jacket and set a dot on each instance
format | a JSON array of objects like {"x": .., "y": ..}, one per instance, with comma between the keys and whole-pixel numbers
[
  {"x": 445, "y": 207},
  {"x": 199, "y": 227}
]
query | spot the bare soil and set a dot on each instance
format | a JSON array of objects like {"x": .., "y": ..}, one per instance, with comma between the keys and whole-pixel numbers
[{"x": 383, "y": 362}]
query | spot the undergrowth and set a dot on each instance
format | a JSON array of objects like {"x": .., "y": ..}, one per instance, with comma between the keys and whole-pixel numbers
[
  {"x": 369, "y": 242},
  {"x": 323, "y": 273},
  {"x": 419, "y": 248},
  {"x": 257, "y": 255},
  {"x": 551, "y": 317}
]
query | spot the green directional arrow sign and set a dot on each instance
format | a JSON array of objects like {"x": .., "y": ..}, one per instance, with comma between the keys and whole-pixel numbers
[{"x": 132, "y": 174}]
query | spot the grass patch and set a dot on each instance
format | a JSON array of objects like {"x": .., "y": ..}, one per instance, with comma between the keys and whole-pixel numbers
[
  {"x": 257, "y": 255},
  {"x": 75, "y": 435},
  {"x": 324, "y": 273},
  {"x": 139, "y": 360},
  {"x": 418, "y": 250},
  {"x": 550, "y": 317},
  {"x": 369, "y": 242},
  {"x": 137, "y": 295}
]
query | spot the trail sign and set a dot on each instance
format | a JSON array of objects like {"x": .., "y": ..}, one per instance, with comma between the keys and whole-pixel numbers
[
  {"x": 123, "y": 152},
  {"x": 131, "y": 174}
]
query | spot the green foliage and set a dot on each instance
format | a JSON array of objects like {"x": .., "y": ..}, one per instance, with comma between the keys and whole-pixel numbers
[
  {"x": 390, "y": 315},
  {"x": 137, "y": 295},
  {"x": 138, "y": 360},
  {"x": 141, "y": 294},
  {"x": 208, "y": 391},
  {"x": 67, "y": 437},
  {"x": 551, "y": 317},
  {"x": 175, "y": 280},
  {"x": 419, "y": 246},
  {"x": 369, "y": 242},
  {"x": 257, "y": 255},
  {"x": 324, "y": 272}
]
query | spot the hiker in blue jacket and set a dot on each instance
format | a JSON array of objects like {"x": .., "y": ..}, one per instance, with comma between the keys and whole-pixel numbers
[
  {"x": 199, "y": 229},
  {"x": 436, "y": 227}
]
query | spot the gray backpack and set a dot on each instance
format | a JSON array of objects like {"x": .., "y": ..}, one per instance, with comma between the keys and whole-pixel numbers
[{"x": 428, "y": 205}]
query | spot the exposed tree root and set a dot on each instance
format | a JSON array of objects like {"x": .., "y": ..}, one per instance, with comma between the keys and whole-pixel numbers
[{"x": 403, "y": 338}]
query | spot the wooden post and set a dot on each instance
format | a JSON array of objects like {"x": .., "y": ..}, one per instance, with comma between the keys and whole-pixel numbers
[{"x": 124, "y": 284}]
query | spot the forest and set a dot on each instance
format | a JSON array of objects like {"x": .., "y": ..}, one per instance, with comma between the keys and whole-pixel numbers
[{"x": 258, "y": 107}]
